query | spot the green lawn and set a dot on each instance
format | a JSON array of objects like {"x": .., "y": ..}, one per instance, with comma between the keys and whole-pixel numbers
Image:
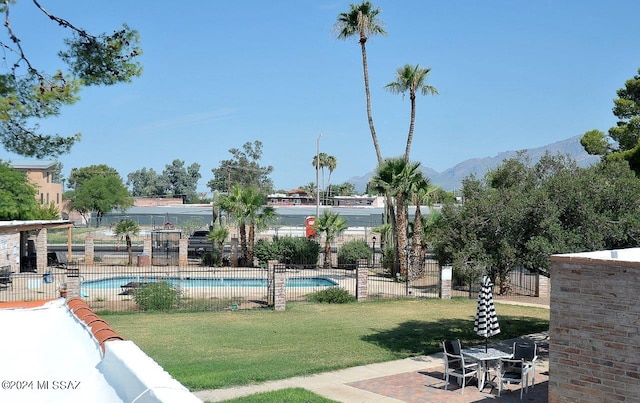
[{"x": 208, "y": 350}]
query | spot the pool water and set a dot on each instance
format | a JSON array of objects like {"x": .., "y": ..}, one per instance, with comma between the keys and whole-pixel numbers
[{"x": 117, "y": 282}]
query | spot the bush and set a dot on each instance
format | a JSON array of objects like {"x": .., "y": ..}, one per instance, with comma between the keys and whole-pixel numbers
[
  {"x": 287, "y": 250},
  {"x": 332, "y": 295},
  {"x": 157, "y": 296},
  {"x": 350, "y": 252},
  {"x": 213, "y": 258}
]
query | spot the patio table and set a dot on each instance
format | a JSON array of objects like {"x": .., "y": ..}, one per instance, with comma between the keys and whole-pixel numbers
[{"x": 483, "y": 357}]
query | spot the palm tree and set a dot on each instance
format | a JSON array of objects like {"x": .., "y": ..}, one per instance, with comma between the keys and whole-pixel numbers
[
  {"x": 234, "y": 205},
  {"x": 421, "y": 193},
  {"x": 332, "y": 225},
  {"x": 218, "y": 235},
  {"x": 412, "y": 79},
  {"x": 362, "y": 20},
  {"x": 398, "y": 177},
  {"x": 127, "y": 228},
  {"x": 331, "y": 164}
]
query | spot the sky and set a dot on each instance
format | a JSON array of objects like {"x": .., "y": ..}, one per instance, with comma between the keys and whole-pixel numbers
[{"x": 511, "y": 74}]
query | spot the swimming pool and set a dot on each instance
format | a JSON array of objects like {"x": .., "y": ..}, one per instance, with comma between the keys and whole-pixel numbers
[{"x": 117, "y": 282}]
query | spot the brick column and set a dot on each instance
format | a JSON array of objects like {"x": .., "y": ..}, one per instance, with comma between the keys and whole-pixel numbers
[
  {"x": 88, "y": 250},
  {"x": 41, "y": 250},
  {"x": 543, "y": 289},
  {"x": 446, "y": 274},
  {"x": 73, "y": 283},
  {"x": 182, "y": 252},
  {"x": 146, "y": 246},
  {"x": 279, "y": 293},
  {"x": 271, "y": 269},
  {"x": 362, "y": 280}
]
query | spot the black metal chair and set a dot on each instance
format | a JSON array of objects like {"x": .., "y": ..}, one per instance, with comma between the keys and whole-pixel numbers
[
  {"x": 527, "y": 351},
  {"x": 513, "y": 371},
  {"x": 455, "y": 365}
]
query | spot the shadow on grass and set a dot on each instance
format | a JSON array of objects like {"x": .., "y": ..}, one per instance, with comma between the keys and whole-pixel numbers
[{"x": 416, "y": 337}]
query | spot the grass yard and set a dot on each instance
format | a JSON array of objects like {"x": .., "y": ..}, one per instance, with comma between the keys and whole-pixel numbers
[{"x": 208, "y": 350}]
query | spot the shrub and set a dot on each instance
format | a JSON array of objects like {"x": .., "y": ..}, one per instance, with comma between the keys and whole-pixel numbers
[
  {"x": 350, "y": 252},
  {"x": 332, "y": 295},
  {"x": 287, "y": 250},
  {"x": 212, "y": 258},
  {"x": 157, "y": 296}
]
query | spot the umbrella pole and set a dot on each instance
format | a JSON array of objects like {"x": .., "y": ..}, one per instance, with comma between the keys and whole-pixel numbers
[{"x": 485, "y": 344}]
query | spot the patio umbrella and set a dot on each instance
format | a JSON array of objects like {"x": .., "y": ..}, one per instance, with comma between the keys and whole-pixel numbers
[{"x": 486, "y": 322}]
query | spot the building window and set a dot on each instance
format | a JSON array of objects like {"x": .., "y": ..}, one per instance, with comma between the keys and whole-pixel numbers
[
  {"x": 57, "y": 198},
  {"x": 41, "y": 198},
  {"x": 47, "y": 198}
]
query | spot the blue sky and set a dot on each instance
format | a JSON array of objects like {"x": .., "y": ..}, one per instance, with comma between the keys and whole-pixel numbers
[{"x": 512, "y": 74}]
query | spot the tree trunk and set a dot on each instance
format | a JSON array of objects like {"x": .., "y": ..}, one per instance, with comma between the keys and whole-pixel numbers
[
  {"x": 128, "y": 240},
  {"x": 365, "y": 69},
  {"x": 327, "y": 254},
  {"x": 243, "y": 241},
  {"x": 402, "y": 235},
  {"x": 252, "y": 237},
  {"x": 407, "y": 151}
]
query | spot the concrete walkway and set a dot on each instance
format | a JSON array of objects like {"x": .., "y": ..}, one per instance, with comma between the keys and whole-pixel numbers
[{"x": 416, "y": 379}]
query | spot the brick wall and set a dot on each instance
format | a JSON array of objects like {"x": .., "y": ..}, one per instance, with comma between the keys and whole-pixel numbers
[{"x": 594, "y": 332}]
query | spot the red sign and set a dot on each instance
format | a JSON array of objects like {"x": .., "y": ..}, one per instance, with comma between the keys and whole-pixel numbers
[{"x": 310, "y": 222}]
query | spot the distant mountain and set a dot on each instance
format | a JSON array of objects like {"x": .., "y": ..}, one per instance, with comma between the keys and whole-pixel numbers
[{"x": 451, "y": 178}]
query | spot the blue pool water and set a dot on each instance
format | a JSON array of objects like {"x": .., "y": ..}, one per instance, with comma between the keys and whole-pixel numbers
[{"x": 117, "y": 282}]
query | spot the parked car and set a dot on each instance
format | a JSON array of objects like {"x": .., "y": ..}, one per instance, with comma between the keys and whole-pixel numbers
[{"x": 199, "y": 243}]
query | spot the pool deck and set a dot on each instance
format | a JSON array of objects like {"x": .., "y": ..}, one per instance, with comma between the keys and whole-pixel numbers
[{"x": 413, "y": 380}]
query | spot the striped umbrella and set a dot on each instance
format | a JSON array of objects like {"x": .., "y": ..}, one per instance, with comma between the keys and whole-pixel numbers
[{"x": 486, "y": 322}]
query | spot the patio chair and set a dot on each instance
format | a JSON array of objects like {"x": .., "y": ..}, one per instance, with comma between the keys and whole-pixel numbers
[
  {"x": 527, "y": 351},
  {"x": 513, "y": 371},
  {"x": 452, "y": 347},
  {"x": 455, "y": 366},
  {"x": 5, "y": 277}
]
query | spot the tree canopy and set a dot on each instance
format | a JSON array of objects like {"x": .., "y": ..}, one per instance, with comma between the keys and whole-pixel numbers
[
  {"x": 242, "y": 169},
  {"x": 29, "y": 94},
  {"x": 623, "y": 140},
  {"x": 97, "y": 189},
  {"x": 17, "y": 195},
  {"x": 520, "y": 214}
]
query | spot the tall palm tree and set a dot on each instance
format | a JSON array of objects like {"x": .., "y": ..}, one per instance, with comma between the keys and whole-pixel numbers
[
  {"x": 412, "y": 79},
  {"x": 331, "y": 163},
  {"x": 398, "y": 177},
  {"x": 127, "y": 228},
  {"x": 332, "y": 225},
  {"x": 362, "y": 20},
  {"x": 218, "y": 235}
]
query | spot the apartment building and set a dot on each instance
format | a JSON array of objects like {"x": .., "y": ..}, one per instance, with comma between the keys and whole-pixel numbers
[{"x": 41, "y": 173}]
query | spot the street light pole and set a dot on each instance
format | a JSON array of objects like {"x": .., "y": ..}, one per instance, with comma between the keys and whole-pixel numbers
[{"x": 317, "y": 179}]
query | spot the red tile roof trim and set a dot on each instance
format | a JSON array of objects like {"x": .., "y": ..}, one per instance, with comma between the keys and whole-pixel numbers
[{"x": 100, "y": 329}]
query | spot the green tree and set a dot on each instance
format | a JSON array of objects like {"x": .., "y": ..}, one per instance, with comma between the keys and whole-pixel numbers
[
  {"x": 361, "y": 21},
  {"x": 146, "y": 183},
  {"x": 28, "y": 94},
  {"x": 17, "y": 195},
  {"x": 520, "y": 213},
  {"x": 332, "y": 225},
  {"x": 411, "y": 79},
  {"x": 181, "y": 181},
  {"x": 625, "y": 135},
  {"x": 243, "y": 169},
  {"x": 399, "y": 178},
  {"x": 126, "y": 229},
  {"x": 97, "y": 189}
]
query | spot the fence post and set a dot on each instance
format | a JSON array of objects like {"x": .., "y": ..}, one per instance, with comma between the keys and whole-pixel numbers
[
  {"x": 279, "y": 292},
  {"x": 88, "y": 251},
  {"x": 543, "y": 287},
  {"x": 182, "y": 252},
  {"x": 271, "y": 267},
  {"x": 73, "y": 283},
  {"x": 446, "y": 274},
  {"x": 362, "y": 280}
]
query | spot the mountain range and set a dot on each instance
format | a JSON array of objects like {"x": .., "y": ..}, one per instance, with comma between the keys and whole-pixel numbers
[{"x": 451, "y": 179}]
